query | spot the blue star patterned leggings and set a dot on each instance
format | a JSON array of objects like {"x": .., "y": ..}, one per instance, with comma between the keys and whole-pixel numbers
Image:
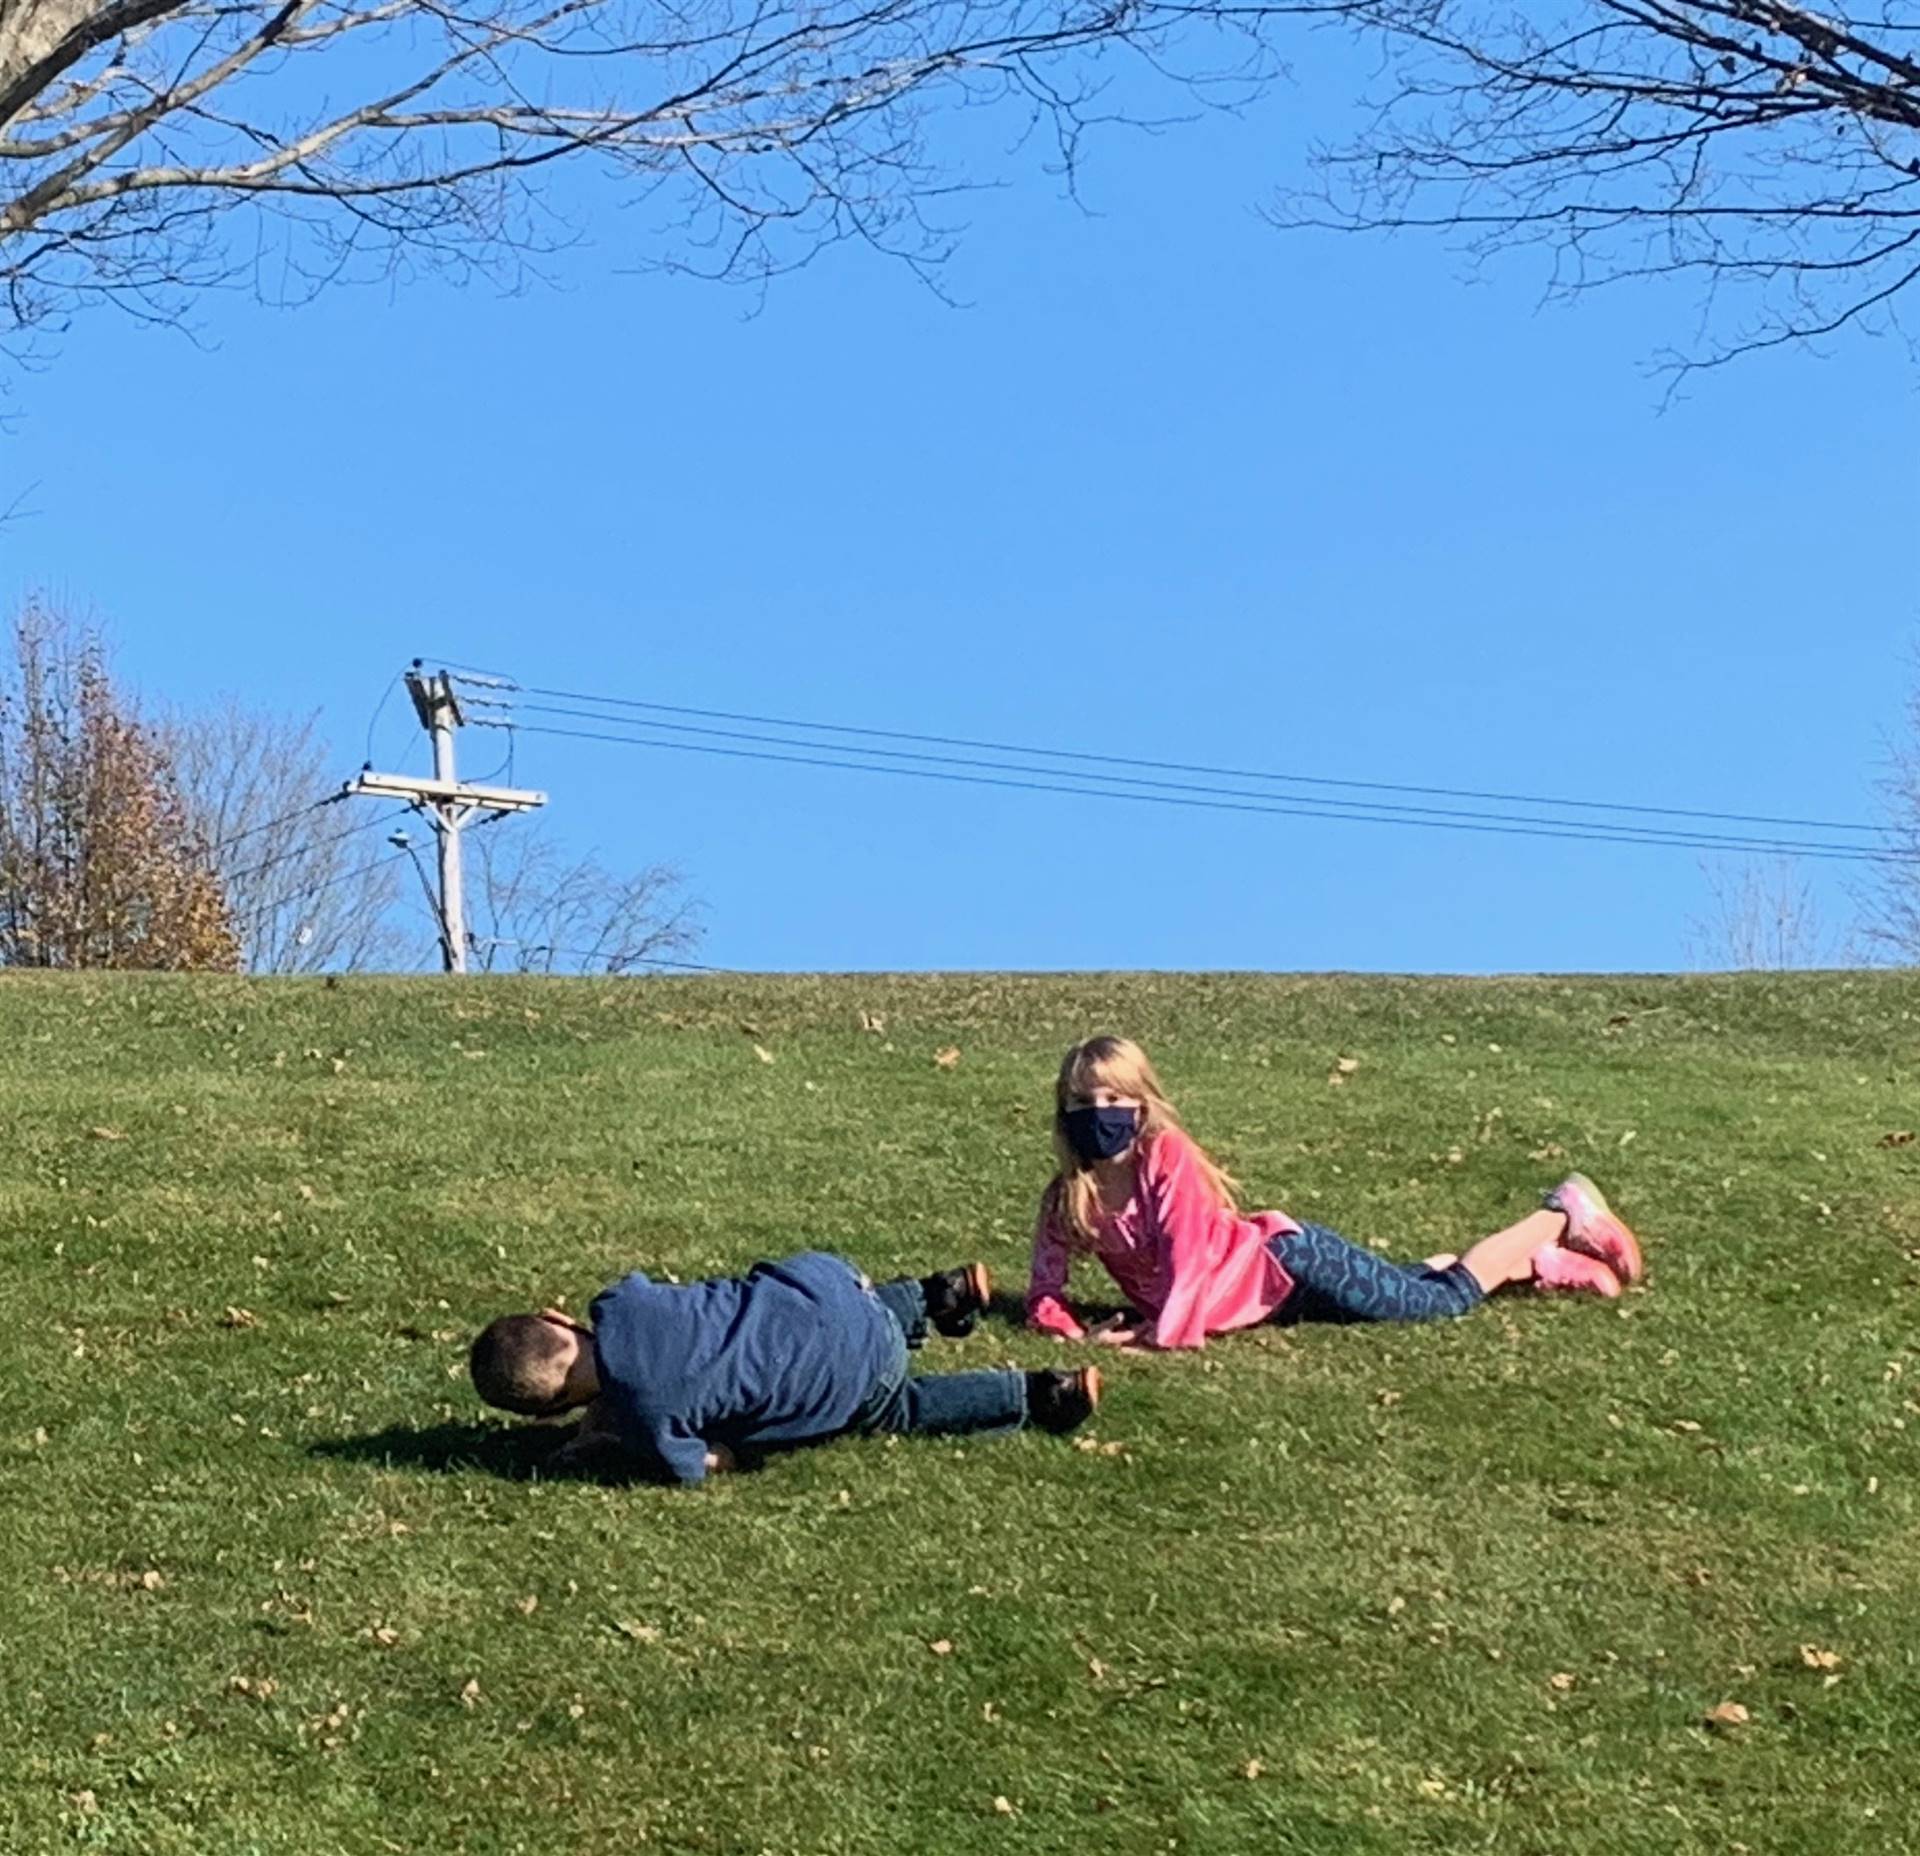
[{"x": 1334, "y": 1280}]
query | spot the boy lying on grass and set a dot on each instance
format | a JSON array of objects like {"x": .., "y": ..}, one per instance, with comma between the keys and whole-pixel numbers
[{"x": 681, "y": 1381}]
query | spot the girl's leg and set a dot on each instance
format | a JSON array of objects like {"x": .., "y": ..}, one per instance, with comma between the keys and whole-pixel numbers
[
  {"x": 1334, "y": 1280},
  {"x": 1507, "y": 1256}
]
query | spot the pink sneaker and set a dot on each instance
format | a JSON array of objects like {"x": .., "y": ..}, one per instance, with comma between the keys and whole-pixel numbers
[
  {"x": 1555, "y": 1268},
  {"x": 1595, "y": 1228}
]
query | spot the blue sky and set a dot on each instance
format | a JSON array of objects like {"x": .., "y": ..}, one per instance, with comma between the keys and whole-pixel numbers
[{"x": 1170, "y": 483}]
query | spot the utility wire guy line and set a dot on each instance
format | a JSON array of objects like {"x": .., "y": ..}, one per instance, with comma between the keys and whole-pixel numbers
[
  {"x": 492, "y": 681},
  {"x": 1325, "y": 807},
  {"x": 1277, "y": 807}
]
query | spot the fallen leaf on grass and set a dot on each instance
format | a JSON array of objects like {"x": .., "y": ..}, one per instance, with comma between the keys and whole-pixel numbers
[
  {"x": 640, "y": 1633},
  {"x": 761, "y": 1051},
  {"x": 1562, "y": 1682},
  {"x": 1252, "y": 1769},
  {"x": 106, "y": 1134},
  {"x": 1816, "y": 1658},
  {"x": 239, "y": 1318},
  {"x": 470, "y": 1694},
  {"x": 946, "y": 1059},
  {"x": 942, "y": 1646},
  {"x": 875, "y": 1022},
  {"x": 1900, "y": 1137},
  {"x": 527, "y": 1606},
  {"x": 1727, "y": 1714},
  {"x": 1004, "y": 1806}
]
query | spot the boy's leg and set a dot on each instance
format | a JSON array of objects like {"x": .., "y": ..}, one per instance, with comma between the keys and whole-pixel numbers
[
  {"x": 960, "y": 1404},
  {"x": 1334, "y": 1280},
  {"x": 905, "y": 1299}
]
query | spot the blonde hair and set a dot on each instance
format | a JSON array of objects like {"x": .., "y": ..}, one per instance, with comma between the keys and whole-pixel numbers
[{"x": 1122, "y": 1066}]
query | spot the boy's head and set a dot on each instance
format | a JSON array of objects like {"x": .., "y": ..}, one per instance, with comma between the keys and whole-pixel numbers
[{"x": 535, "y": 1365}]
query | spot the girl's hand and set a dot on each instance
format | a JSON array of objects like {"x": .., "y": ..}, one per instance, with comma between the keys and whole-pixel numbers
[{"x": 1115, "y": 1331}]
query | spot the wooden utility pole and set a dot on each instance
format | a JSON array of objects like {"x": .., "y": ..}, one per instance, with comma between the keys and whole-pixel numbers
[{"x": 450, "y": 805}]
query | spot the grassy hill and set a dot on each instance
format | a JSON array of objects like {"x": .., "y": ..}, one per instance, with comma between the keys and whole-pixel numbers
[{"x": 272, "y": 1582}]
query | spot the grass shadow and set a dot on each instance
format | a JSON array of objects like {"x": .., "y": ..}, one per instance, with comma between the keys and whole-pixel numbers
[{"x": 516, "y": 1452}]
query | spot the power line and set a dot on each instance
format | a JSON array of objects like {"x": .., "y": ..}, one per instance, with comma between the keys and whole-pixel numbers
[
  {"x": 1171, "y": 766},
  {"x": 272, "y": 824},
  {"x": 1277, "y": 808},
  {"x": 316, "y": 844},
  {"x": 1404, "y": 812}
]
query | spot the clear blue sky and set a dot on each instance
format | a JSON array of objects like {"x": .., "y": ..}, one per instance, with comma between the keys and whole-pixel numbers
[{"x": 1171, "y": 483}]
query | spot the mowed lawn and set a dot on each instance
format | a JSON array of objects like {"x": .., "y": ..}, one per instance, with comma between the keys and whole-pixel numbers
[{"x": 272, "y": 1581}]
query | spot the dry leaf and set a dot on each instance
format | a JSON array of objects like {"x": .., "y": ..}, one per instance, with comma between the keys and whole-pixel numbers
[
  {"x": 239, "y": 1318},
  {"x": 875, "y": 1022},
  {"x": 1252, "y": 1769},
  {"x": 1096, "y": 1668},
  {"x": 1395, "y": 1606},
  {"x": 942, "y": 1646},
  {"x": 527, "y": 1606},
  {"x": 151, "y": 1581},
  {"x": 1346, "y": 1066},
  {"x": 1004, "y": 1806},
  {"x": 106, "y": 1134},
  {"x": 640, "y": 1633},
  {"x": 761, "y": 1051},
  {"x": 385, "y": 1636},
  {"x": 946, "y": 1059},
  {"x": 1727, "y": 1714},
  {"x": 470, "y": 1695},
  {"x": 1816, "y": 1658},
  {"x": 1562, "y": 1681},
  {"x": 1900, "y": 1137}
]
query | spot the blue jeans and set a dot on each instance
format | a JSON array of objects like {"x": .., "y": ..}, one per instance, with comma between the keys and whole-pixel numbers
[
  {"x": 1334, "y": 1280},
  {"x": 940, "y": 1404}
]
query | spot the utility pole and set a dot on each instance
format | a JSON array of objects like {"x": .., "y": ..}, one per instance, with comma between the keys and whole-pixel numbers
[{"x": 450, "y": 805}]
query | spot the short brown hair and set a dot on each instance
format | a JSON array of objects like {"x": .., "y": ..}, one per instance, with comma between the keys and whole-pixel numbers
[{"x": 516, "y": 1364}]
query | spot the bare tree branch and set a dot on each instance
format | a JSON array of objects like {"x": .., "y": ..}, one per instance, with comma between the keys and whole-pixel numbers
[
  {"x": 1767, "y": 150},
  {"x": 305, "y": 884},
  {"x": 537, "y": 911},
  {"x": 373, "y": 131}
]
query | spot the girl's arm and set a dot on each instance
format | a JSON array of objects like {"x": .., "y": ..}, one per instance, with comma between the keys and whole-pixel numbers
[
  {"x": 1183, "y": 1210},
  {"x": 1047, "y": 1309}
]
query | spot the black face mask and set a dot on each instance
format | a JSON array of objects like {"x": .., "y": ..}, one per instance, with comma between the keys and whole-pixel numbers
[{"x": 1100, "y": 1133}]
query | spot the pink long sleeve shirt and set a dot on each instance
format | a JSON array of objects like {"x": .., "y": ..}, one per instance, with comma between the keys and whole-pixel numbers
[{"x": 1183, "y": 1259}]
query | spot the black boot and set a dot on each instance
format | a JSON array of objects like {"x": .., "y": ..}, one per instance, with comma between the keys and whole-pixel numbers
[
  {"x": 1058, "y": 1399},
  {"x": 956, "y": 1297}
]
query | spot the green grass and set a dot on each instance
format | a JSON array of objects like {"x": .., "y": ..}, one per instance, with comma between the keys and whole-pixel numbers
[{"x": 1432, "y": 1589}]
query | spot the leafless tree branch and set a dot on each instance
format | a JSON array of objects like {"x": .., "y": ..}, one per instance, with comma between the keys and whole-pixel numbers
[
  {"x": 1770, "y": 151},
  {"x": 372, "y": 132}
]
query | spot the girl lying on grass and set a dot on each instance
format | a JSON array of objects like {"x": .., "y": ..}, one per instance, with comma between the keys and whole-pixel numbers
[{"x": 1139, "y": 1193}]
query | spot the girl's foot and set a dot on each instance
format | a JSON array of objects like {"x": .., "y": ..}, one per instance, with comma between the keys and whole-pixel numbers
[
  {"x": 1059, "y": 1398},
  {"x": 956, "y": 1297},
  {"x": 1555, "y": 1268},
  {"x": 1594, "y": 1228}
]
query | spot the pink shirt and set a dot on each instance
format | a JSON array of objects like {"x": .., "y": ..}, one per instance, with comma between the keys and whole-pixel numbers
[{"x": 1178, "y": 1255}]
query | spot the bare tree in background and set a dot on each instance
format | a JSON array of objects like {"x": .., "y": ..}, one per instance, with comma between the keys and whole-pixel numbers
[
  {"x": 1770, "y": 151},
  {"x": 311, "y": 888},
  {"x": 1891, "y": 904},
  {"x": 100, "y": 864},
  {"x": 1764, "y": 916},
  {"x": 535, "y": 910},
  {"x": 352, "y": 135}
]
